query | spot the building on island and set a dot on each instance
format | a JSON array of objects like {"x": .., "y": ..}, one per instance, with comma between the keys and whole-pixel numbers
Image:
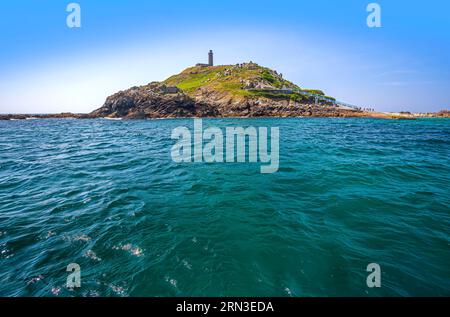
[{"x": 210, "y": 60}]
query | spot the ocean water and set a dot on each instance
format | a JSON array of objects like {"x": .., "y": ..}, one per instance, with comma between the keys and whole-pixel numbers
[{"x": 106, "y": 195}]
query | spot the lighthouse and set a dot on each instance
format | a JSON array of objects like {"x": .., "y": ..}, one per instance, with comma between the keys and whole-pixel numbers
[{"x": 210, "y": 58}]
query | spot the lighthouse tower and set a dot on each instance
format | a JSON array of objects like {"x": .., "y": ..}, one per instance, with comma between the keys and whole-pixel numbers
[{"x": 210, "y": 58}]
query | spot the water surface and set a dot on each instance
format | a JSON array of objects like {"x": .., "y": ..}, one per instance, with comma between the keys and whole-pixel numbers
[{"x": 106, "y": 195}]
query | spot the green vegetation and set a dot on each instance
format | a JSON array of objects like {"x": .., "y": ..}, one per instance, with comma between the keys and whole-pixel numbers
[
  {"x": 236, "y": 81},
  {"x": 193, "y": 78},
  {"x": 269, "y": 77},
  {"x": 297, "y": 97},
  {"x": 270, "y": 95},
  {"x": 315, "y": 91}
]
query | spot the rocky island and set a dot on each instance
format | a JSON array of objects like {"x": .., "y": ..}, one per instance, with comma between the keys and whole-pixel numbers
[{"x": 241, "y": 90}]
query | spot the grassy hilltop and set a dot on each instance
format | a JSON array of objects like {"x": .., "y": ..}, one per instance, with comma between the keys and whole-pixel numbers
[{"x": 238, "y": 81}]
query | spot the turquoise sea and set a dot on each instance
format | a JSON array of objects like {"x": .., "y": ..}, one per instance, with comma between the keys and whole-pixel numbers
[{"x": 107, "y": 195}]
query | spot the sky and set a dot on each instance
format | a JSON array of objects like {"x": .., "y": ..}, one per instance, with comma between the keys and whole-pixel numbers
[{"x": 47, "y": 67}]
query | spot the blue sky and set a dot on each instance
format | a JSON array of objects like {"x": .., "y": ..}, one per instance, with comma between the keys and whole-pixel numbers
[{"x": 46, "y": 67}]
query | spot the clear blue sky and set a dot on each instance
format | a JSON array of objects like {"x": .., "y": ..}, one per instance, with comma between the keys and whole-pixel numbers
[{"x": 46, "y": 67}]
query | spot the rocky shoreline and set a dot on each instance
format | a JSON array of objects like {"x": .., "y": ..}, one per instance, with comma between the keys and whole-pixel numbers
[
  {"x": 343, "y": 114},
  {"x": 307, "y": 113},
  {"x": 66, "y": 115},
  {"x": 312, "y": 113}
]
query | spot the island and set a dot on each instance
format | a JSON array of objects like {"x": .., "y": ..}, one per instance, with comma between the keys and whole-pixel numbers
[{"x": 240, "y": 90}]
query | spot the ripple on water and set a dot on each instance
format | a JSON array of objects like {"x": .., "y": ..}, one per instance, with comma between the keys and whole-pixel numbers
[{"x": 130, "y": 248}]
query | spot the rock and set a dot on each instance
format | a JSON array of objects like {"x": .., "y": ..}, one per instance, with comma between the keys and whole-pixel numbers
[
  {"x": 443, "y": 113},
  {"x": 154, "y": 100}
]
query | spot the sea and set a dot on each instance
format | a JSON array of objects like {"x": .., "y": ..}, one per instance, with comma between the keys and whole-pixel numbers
[{"x": 107, "y": 197}]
